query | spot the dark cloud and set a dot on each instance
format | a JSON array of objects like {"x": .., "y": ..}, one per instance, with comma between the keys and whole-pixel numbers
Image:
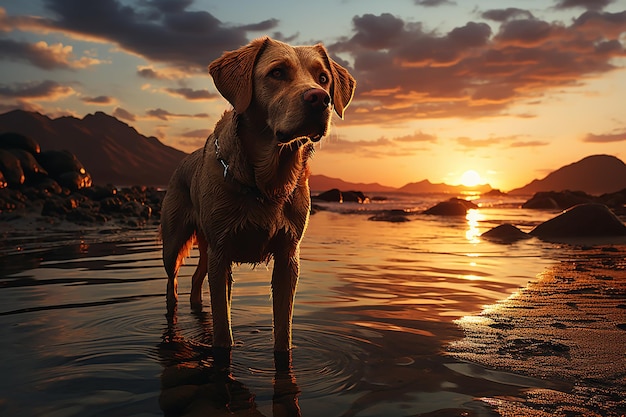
[
  {"x": 98, "y": 100},
  {"x": 47, "y": 89},
  {"x": 405, "y": 72},
  {"x": 199, "y": 133},
  {"x": 502, "y": 15},
  {"x": 166, "y": 115},
  {"x": 159, "y": 30},
  {"x": 121, "y": 113},
  {"x": 433, "y": 3},
  {"x": 606, "y": 137},
  {"x": 587, "y": 4},
  {"x": 191, "y": 94}
]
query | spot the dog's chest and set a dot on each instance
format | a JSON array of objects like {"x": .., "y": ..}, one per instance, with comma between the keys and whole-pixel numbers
[{"x": 254, "y": 244}]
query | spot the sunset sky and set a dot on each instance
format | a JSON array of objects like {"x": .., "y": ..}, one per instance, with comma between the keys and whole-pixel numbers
[{"x": 509, "y": 89}]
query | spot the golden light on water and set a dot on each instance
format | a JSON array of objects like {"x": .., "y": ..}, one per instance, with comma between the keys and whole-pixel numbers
[{"x": 472, "y": 234}]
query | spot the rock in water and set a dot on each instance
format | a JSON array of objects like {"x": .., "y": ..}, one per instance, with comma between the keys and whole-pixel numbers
[
  {"x": 583, "y": 220},
  {"x": 505, "y": 233}
]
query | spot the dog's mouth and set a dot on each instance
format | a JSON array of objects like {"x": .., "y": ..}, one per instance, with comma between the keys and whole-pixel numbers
[{"x": 287, "y": 139}]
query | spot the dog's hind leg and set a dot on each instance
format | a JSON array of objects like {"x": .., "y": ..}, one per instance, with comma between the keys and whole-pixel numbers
[
  {"x": 200, "y": 273},
  {"x": 177, "y": 243}
]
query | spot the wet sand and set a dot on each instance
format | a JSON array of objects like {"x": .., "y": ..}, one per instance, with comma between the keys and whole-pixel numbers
[{"x": 568, "y": 326}]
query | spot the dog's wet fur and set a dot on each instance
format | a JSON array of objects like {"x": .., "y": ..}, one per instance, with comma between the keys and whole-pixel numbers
[{"x": 244, "y": 197}]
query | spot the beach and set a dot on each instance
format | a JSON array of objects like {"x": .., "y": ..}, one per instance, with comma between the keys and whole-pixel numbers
[{"x": 397, "y": 319}]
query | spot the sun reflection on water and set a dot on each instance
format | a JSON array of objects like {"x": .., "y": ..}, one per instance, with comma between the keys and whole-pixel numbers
[{"x": 473, "y": 217}]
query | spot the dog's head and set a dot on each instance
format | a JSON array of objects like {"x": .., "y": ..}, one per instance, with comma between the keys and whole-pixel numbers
[{"x": 291, "y": 90}]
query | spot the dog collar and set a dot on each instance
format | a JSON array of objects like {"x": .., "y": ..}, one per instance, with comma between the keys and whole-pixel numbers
[{"x": 251, "y": 190}]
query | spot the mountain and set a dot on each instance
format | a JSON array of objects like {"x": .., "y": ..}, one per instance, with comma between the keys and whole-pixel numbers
[
  {"x": 111, "y": 151},
  {"x": 323, "y": 183},
  {"x": 427, "y": 187},
  {"x": 595, "y": 174}
]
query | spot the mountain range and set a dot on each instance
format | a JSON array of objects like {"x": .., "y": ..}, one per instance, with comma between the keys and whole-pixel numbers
[{"x": 114, "y": 152}]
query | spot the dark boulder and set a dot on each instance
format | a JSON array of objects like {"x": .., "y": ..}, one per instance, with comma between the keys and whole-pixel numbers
[
  {"x": 505, "y": 233},
  {"x": 452, "y": 207},
  {"x": 354, "y": 197},
  {"x": 333, "y": 195},
  {"x": 583, "y": 220},
  {"x": 31, "y": 168},
  {"x": 60, "y": 162},
  {"x": 11, "y": 168},
  {"x": 74, "y": 180},
  {"x": 11, "y": 140},
  {"x": 561, "y": 200},
  {"x": 392, "y": 216}
]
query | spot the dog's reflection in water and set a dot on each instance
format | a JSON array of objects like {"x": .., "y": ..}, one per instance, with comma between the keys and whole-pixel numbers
[{"x": 197, "y": 379}]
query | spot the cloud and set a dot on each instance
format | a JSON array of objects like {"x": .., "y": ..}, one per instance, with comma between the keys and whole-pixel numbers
[
  {"x": 502, "y": 15},
  {"x": 199, "y": 133},
  {"x": 606, "y": 137},
  {"x": 166, "y": 115},
  {"x": 528, "y": 144},
  {"x": 45, "y": 90},
  {"x": 190, "y": 94},
  {"x": 162, "y": 73},
  {"x": 44, "y": 56},
  {"x": 121, "y": 113},
  {"x": 474, "y": 70},
  {"x": 162, "y": 31},
  {"x": 587, "y": 4},
  {"x": 477, "y": 143},
  {"x": 99, "y": 100},
  {"x": 433, "y": 3}
]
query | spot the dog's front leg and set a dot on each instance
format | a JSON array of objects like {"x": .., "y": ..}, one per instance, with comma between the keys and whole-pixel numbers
[
  {"x": 220, "y": 284},
  {"x": 284, "y": 282}
]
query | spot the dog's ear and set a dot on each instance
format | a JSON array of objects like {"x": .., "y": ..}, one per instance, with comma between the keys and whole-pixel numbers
[
  {"x": 343, "y": 83},
  {"x": 232, "y": 73}
]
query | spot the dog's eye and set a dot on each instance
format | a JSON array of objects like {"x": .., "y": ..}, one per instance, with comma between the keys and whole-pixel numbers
[
  {"x": 277, "y": 73},
  {"x": 323, "y": 78}
]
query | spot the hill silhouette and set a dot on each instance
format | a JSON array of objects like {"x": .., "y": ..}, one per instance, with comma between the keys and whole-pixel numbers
[
  {"x": 112, "y": 151},
  {"x": 595, "y": 174}
]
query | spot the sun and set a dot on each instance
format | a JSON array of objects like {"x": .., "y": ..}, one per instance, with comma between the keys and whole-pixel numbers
[{"x": 470, "y": 178}]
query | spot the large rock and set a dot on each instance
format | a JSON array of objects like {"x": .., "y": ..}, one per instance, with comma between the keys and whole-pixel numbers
[
  {"x": 11, "y": 140},
  {"x": 452, "y": 207},
  {"x": 60, "y": 162},
  {"x": 560, "y": 200},
  {"x": 505, "y": 233},
  {"x": 333, "y": 195},
  {"x": 31, "y": 168},
  {"x": 11, "y": 167},
  {"x": 583, "y": 220}
]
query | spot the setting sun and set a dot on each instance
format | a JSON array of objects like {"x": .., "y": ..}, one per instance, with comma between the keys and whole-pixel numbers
[{"x": 470, "y": 178}]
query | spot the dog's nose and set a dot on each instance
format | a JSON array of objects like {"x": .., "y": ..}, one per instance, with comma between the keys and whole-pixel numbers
[{"x": 317, "y": 98}]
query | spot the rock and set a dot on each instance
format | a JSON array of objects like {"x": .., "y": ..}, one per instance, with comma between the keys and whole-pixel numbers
[
  {"x": 3, "y": 181},
  {"x": 583, "y": 220},
  {"x": 99, "y": 192},
  {"x": 11, "y": 140},
  {"x": 175, "y": 400},
  {"x": 354, "y": 197},
  {"x": 452, "y": 207},
  {"x": 11, "y": 168},
  {"x": 557, "y": 200},
  {"x": 505, "y": 233},
  {"x": 393, "y": 216},
  {"x": 333, "y": 195},
  {"x": 74, "y": 180},
  {"x": 60, "y": 162},
  {"x": 29, "y": 164}
]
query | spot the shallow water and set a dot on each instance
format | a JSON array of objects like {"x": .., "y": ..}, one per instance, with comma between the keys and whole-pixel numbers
[{"x": 84, "y": 331}]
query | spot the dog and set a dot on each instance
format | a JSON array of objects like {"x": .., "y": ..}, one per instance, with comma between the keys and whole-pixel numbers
[{"x": 244, "y": 197}]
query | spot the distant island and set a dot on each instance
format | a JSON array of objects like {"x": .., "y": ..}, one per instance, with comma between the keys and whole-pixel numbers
[{"x": 115, "y": 153}]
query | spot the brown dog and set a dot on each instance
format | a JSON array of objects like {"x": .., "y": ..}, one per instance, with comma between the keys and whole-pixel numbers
[{"x": 245, "y": 196}]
